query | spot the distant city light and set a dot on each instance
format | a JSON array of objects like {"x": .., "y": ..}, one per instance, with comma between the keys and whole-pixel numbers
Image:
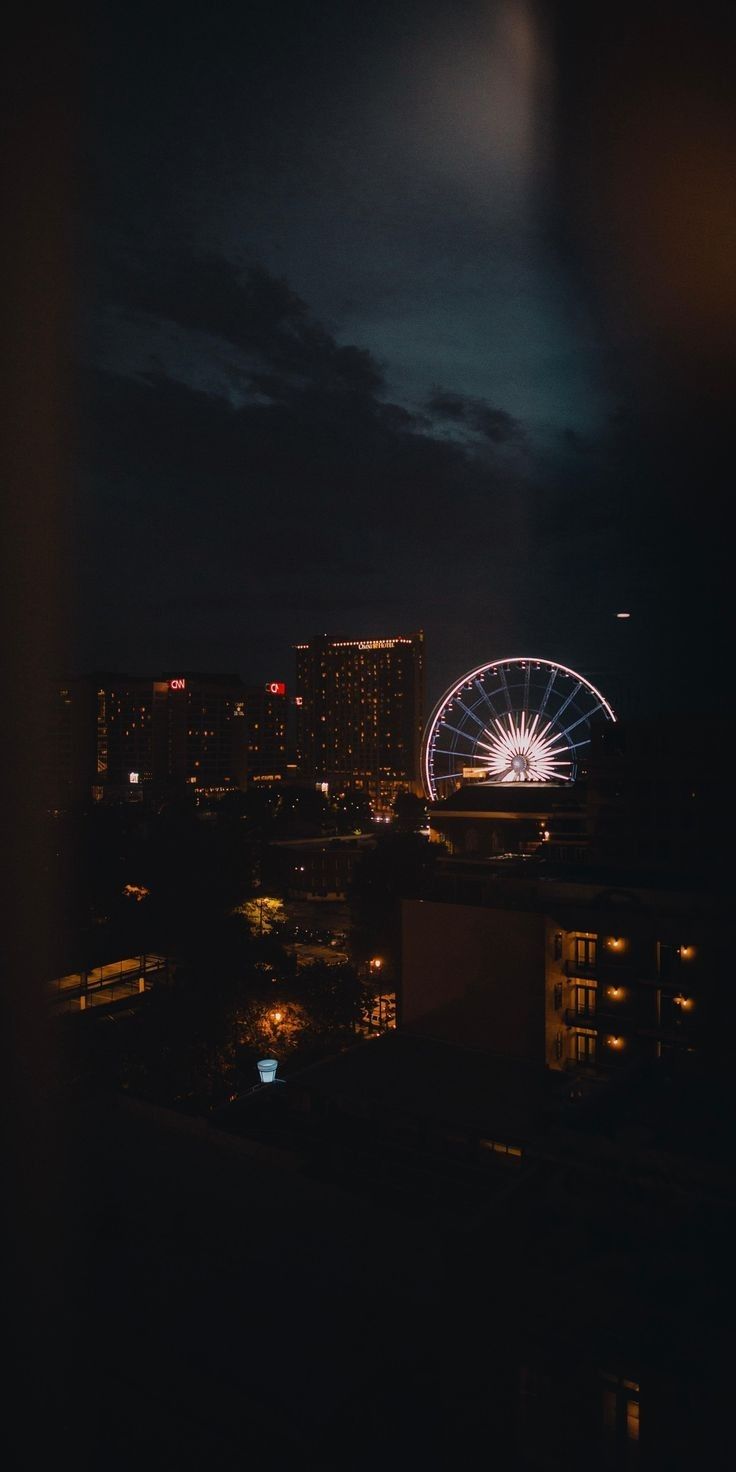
[
  {"x": 134, "y": 777},
  {"x": 623, "y": 615}
]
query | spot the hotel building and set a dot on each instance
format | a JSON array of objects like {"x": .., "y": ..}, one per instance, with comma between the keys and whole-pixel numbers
[{"x": 360, "y": 706}]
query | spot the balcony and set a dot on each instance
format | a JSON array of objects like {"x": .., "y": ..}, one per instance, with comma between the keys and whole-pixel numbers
[
  {"x": 580, "y": 968},
  {"x": 573, "y": 1018}
]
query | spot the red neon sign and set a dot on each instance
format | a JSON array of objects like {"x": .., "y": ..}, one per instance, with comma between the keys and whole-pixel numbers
[
  {"x": 177, "y": 684},
  {"x": 275, "y": 687}
]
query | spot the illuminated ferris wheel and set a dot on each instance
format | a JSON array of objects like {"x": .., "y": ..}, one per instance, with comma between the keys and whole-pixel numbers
[{"x": 516, "y": 720}]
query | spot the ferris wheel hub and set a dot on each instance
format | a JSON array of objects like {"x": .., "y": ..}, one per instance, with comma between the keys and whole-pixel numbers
[{"x": 519, "y": 763}]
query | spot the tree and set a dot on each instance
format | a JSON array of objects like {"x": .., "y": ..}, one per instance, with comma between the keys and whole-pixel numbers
[
  {"x": 333, "y": 997},
  {"x": 351, "y": 811},
  {"x": 400, "y": 867},
  {"x": 410, "y": 812}
]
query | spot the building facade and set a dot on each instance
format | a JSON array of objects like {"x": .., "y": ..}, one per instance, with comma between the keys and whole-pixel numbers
[
  {"x": 155, "y": 736},
  {"x": 572, "y": 973},
  {"x": 266, "y": 719},
  {"x": 318, "y": 868},
  {"x": 360, "y": 705}
]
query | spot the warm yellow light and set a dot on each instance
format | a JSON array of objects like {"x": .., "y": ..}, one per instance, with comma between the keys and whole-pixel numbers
[
  {"x": 615, "y": 1042},
  {"x": 376, "y": 963},
  {"x": 135, "y": 891},
  {"x": 615, "y": 991},
  {"x": 686, "y": 952},
  {"x": 277, "y": 1016}
]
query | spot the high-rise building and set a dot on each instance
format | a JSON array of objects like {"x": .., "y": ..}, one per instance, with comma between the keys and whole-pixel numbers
[
  {"x": 124, "y": 737},
  {"x": 165, "y": 734},
  {"x": 360, "y": 708},
  {"x": 266, "y": 710}
]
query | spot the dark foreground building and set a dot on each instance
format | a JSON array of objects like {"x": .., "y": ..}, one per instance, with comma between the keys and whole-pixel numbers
[
  {"x": 574, "y": 970},
  {"x": 570, "y": 1255}
]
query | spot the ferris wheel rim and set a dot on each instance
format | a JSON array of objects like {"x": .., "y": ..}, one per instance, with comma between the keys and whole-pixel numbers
[{"x": 454, "y": 689}]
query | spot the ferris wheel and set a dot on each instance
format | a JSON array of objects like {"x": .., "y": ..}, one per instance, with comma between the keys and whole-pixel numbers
[{"x": 515, "y": 720}]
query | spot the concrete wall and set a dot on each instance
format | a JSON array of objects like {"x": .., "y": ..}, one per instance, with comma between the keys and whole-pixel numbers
[{"x": 475, "y": 975}]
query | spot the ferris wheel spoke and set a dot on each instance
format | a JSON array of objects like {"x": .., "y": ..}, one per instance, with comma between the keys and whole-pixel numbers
[
  {"x": 440, "y": 751},
  {"x": 470, "y": 713},
  {"x": 548, "y": 691},
  {"x": 567, "y": 702},
  {"x": 507, "y": 692},
  {"x": 457, "y": 731},
  {"x": 527, "y": 679},
  {"x": 487, "y": 699},
  {"x": 588, "y": 716}
]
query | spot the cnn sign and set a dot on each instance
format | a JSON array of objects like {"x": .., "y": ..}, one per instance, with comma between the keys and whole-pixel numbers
[
  {"x": 275, "y": 687},
  {"x": 177, "y": 684}
]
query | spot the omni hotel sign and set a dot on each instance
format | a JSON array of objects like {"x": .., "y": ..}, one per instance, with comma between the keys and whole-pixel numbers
[{"x": 378, "y": 643}]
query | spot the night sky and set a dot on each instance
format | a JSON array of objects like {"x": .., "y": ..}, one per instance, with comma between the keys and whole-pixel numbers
[{"x": 403, "y": 315}]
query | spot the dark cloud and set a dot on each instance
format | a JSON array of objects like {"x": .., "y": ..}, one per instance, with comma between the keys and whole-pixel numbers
[
  {"x": 250, "y": 309},
  {"x": 494, "y": 424},
  {"x": 289, "y": 488},
  {"x": 447, "y": 405}
]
